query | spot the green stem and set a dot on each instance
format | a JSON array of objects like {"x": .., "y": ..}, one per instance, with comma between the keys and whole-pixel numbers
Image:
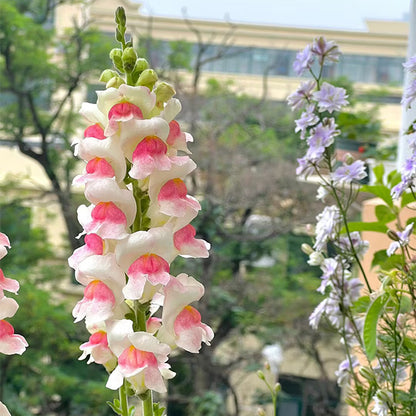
[
  {"x": 148, "y": 405},
  {"x": 124, "y": 406}
]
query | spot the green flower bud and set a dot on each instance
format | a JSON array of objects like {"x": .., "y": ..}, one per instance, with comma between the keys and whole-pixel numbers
[
  {"x": 261, "y": 375},
  {"x": 147, "y": 78},
  {"x": 107, "y": 74},
  {"x": 129, "y": 59},
  {"x": 348, "y": 158},
  {"x": 164, "y": 92},
  {"x": 120, "y": 16},
  {"x": 366, "y": 373},
  {"x": 139, "y": 67},
  {"x": 115, "y": 82},
  {"x": 307, "y": 249},
  {"x": 277, "y": 387},
  {"x": 384, "y": 396},
  {"x": 116, "y": 56},
  {"x": 261, "y": 412},
  {"x": 393, "y": 235}
]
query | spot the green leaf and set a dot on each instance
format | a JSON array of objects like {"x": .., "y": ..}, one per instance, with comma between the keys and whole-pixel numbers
[
  {"x": 381, "y": 259},
  {"x": 361, "y": 304},
  {"x": 370, "y": 326},
  {"x": 115, "y": 408},
  {"x": 407, "y": 198},
  {"x": 405, "y": 304},
  {"x": 366, "y": 226},
  {"x": 157, "y": 410},
  {"x": 384, "y": 214},
  {"x": 379, "y": 173},
  {"x": 393, "y": 178},
  {"x": 381, "y": 191}
]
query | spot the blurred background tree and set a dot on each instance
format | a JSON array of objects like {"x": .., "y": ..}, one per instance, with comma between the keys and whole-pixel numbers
[
  {"x": 40, "y": 72},
  {"x": 47, "y": 378}
]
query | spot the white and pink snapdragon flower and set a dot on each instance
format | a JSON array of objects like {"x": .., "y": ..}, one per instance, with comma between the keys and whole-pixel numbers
[
  {"x": 10, "y": 343},
  {"x": 137, "y": 223}
]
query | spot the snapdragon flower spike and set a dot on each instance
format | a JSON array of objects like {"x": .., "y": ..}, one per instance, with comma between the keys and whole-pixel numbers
[{"x": 137, "y": 224}]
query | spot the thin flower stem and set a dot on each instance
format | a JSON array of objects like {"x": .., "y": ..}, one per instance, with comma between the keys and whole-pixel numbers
[
  {"x": 124, "y": 405},
  {"x": 148, "y": 405}
]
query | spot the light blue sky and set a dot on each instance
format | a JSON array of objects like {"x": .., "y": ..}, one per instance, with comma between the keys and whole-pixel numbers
[{"x": 347, "y": 14}]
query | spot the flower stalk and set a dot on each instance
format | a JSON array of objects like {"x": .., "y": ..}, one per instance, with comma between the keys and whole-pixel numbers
[
  {"x": 373, "y": 323},
  {"x": 137, "y": 223}
]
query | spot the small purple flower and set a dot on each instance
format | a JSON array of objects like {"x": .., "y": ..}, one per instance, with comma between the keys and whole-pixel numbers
[
  {"x": 409, "y": 94},
  {"x": 330, "y": 98},
  {"x": 317, "y": 314},
  {"x": 330, "y": 269},
  {"x": 305, "y": 167},
  {"x": 410, "y": 64},
  {"x": 344, "y": 370},
  {"x": 325, "y": 50},
  {"x": 408, "y": 172},
  {"x": 348, "y": 173},
  {"x": 308, "y": 118},
  {"x": 328, "y": 222},
  {"x": 403, "y": 237},
  {"x": 302, "y": 96},
  {"x": 381, "y": 403},
  {"x": 304, "y": 60},
  {"x": 360, "y": 246},
  {"x": 322, "y": 136}
]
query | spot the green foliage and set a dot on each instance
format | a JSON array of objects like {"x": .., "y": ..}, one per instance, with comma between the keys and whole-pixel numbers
[
  {"x": 210, "y": 404},
  {"x": 47, "y": 376},
  {"x": 370, "y": 326}
]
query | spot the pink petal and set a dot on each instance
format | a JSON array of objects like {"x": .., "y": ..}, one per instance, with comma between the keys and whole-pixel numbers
[
  {"x": 11, "y": 343},
  {"x": 4, "y": 240},
  {"x": 178, "y": 139},
  {"x": 121, "y": 112},
  {"x": 97, "y": 347},
  {"x": 94, "y": 244},
  {"x": 95, "y": 131},
  {"x": 149, "y": 155},
  {"x": 10, "y": 285},
  {"x": 153, "y": 267},
  {"x": 8, "y": 307},
  {"x": 190, "y": 331},
  {"x": 186, "y": 243},
  {"x": 96, "y": 305},
  {"x": 133, "y": 360},
  {"x": 173, "y": 199},
  {"x": 107, "y": 220}
]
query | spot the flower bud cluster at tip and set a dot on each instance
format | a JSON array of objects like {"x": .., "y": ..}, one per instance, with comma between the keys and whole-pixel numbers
[
  {"x": 137, "y": 223},
  {"x": 10, "y": 343}
]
